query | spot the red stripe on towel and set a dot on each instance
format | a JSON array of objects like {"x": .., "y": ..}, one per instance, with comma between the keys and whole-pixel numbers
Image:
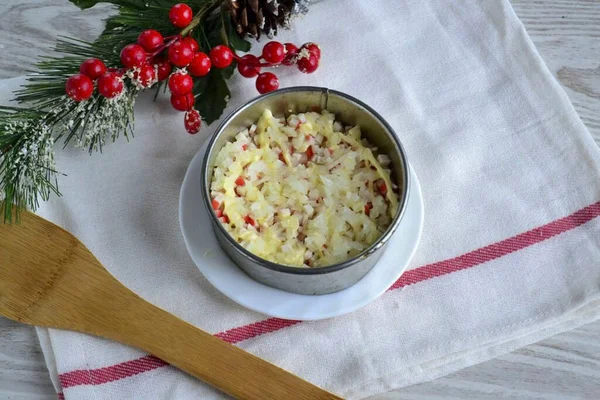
[{"x": 110, "y": 374}]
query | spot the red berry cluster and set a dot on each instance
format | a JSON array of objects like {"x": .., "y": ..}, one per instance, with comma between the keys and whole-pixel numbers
[
  {"x": 152, "y": 58},
  {"x": 81, "y": 86},
  {"x": 306, "y": 58}
]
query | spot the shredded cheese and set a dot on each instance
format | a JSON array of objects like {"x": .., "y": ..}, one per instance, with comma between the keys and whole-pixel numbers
[{"x": 300, "y": 192}]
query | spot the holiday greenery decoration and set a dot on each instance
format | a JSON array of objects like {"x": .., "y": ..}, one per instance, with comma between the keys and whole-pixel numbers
[{"x": 85, "y": 95}]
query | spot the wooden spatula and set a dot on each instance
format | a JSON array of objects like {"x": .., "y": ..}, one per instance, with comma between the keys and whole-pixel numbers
[{"x": 49, "y": 278}]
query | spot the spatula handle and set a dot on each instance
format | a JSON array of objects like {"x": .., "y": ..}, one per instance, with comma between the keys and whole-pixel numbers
[
  {"x": 228, "y": 368},
  {"x": 59, "y": 283}
]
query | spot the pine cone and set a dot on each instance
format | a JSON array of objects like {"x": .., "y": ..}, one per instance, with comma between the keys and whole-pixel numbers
[{"x": 255, "y": 17}]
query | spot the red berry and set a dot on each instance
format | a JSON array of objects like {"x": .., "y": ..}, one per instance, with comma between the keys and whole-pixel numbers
[
  {"x": 309, "y": 64},
  {"x": 110, "y": 85},
  {"x": 180, "y": 83},
  {"x": 313, "y": 48},
  {"x": 291, "y": 48},
  {"x": 146, "y": 76},
  {"x": 184, "y": 102},
  {"x": 200, "y": 65},
  {"x": 79, "y": 87},
  {"x": 273, "y": 52},
  {"x": 192, "y": 42},
  {"x": 180, "y": 15},
  {"x": 289, "y": 60},
  {"x": 181, "y": 53},
  {"x": 163, "y": 68},
  {"x": 93, "y": 68},
  {"x": 249, "y": 67},
  {"x": 150, "y": 39},
  {"x": 192, "y": 121},
  {"x": 133, "y": 55},
  {"x": 221, "y": 56},
  {"x": 267, "y": 82},
  {"x": 290, "y": 52}
]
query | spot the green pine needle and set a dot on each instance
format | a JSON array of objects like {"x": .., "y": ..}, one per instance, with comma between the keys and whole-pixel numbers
[{"x": 47, "y": 115}]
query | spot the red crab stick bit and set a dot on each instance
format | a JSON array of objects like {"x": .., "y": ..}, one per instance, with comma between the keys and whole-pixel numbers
[
  {"x": 383, "y": 189},
  {"x": 245, "y": 147},
  {"x": 240, "y": 181},
  {"x": 224, "y": 219},
  {"x": 249, "y": 220},
  {"x": 217, "y": 207},
  {"x": 368, "y": 207},
  {"x": 309, "y": 153}
]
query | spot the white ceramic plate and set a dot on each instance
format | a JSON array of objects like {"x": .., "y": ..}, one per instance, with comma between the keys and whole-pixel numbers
[{"x": 235, "y": 284}]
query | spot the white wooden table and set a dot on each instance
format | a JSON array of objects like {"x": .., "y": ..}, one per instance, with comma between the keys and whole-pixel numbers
[{"x": 566, "y": 366}]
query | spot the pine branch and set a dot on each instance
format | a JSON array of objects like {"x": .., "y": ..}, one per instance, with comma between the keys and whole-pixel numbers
[
  {"x": 27, "y": 169},
  {"x": 47, "y": 115}
]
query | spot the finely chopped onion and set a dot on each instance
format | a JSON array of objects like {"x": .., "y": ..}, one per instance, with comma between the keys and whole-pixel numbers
[{"x": 303, "y": 191}]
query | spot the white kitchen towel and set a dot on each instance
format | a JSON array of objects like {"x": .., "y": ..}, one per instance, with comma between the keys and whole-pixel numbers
[{"x": 510, "y": 251}]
